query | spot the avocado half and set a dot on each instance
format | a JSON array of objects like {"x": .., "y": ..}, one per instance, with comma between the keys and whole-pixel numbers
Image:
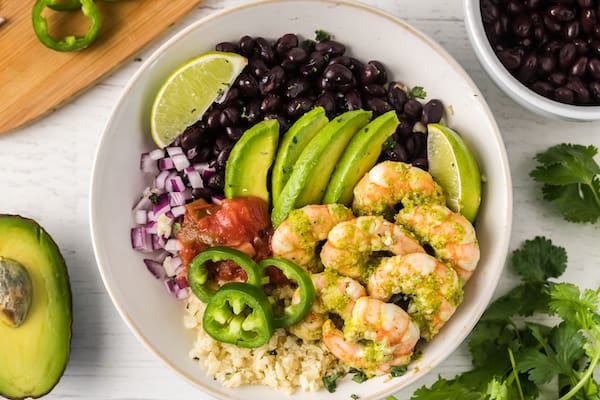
[{"x": 33, "y": 356}]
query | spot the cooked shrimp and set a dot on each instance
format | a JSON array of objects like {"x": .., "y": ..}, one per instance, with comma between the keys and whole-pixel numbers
[
  {"x": 335, "y": 294},
  {"x": 450, "y": 235},
  {"x": 391, "y": 184},
  {"x": 434, "y": 288},
  {"x": 351, "y": 247},
  {"x": 378, "y": 337},
  {"x": 298, "y": 237}
]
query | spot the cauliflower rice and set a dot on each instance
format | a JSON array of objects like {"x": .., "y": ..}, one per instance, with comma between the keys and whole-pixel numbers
[{"x": 285, "y": 362}]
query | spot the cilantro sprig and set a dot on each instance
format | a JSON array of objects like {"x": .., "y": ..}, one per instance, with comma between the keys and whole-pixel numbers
[
  {"x": 513, "y": 355},
  {"x": 571, "y": 180}
]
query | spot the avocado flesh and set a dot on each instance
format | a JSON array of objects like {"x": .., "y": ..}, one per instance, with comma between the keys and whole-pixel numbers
[
  {"x": 359, "y": 157},
  {"x": 34, "y": 355},
  {"x": 313, "y": 169},
  {"x": 250, "y": 159},
  {"x": 292, "y": 144}
]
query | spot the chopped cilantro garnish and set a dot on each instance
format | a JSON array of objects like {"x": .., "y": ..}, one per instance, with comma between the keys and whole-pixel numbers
[
  {"x": 330, "y": 382},
  {"x": 418, "y": 92},
  {"x": 398, "y": 370},
  {"x": 321, "y": 35},
  {"x": 153, "y": 198}
]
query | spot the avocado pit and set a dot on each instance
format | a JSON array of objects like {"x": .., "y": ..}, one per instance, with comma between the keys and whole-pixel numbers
[{"x": 15, "y": 292}]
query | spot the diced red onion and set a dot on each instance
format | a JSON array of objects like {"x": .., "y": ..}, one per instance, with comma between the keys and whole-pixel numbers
[
  {"x": 151, "y": 216},
  {"x": 162, "y": 206},
  {"x": 152, "y": 227},
  {"x": 182, "y": 293},
  {"x": 172, "y": 246},
  {"x": 168, "y": 183},
  {"x": 155, "y": 268},
  {"x": 180, "y": 161},
  {"x": 143, "y": 204},
  {"x": 177, "y": 184},
  {"x": 148, "y": 165},
  {"x": 171, "y": 286},
  {"x": 161, "y": 179},
  {"x": 140, "y": 239},
  {"x": 178, "y": 211},
  {"x": 156, "y": 154},
  {"x": 166, "y": 163},
  {"x": 207, "y": 173},
  {"x": 177, "y": 199},
  {"x": 172, "y": 151},
  {"x": 217, "y": 199},
  {"x": 157, "y": 242},
  {"x": 194, "y": 178},
  {"x": 201, "y": 166},
  {"x": 140, "y": 217},
  {"x": 191, "y": 153}
]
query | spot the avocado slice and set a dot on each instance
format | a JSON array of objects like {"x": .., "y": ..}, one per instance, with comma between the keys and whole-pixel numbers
[
  {"x": 292, "y": 144},
  {"x": 248, "y": 164},
  {"x": 34, "y": 355},
  {"x": 313, "y": 169},
  {"x": 359, "y": 157}
]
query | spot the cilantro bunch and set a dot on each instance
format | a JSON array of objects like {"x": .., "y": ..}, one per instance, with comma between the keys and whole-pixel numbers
[
  {"x": 571, "y": 180},
  {"x": 516, "y": 357}
]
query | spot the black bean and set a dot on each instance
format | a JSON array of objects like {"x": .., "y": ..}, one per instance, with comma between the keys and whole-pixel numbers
[
  {"x": 566, "y": 55},
  {"x": 543, "y": 88},
  {"x": 296, "y": 55},
  {"x": 596, "y": 31},
  {"x": 271, "y": 103},
  {"x": 222, "y": 159},
  {"x": 421, "y": 162},
  {"x": 528, "y": 68},
  {"x": 511, "y": 58},
  {"x": 582, "y": 94},
  {"x": 585, "y": 3},
  {"x": 551, "y": 24},
  {"x": 257, "y": 67},
  {"x": 413, "y": 109},
  {"x": 222, "y": 143},
  {"x": 546, "y": 64},
  {"x": 581, "y": 46},
  {"x": 557, "y": 79},
  {"x": 228, "y": 47},
  {"x": 247, "y": 45},
  {"x": 216, "y": 181},
  {"x": 397, "y": 96},
  {"x": 314, "y": 65},
  {"x": 203, "y": 153},
  {"x": 368, "y": 74},
  {"x": 284, "y": 123},
  {"x": 252, "y": 112},
  {"x": 553, "y": 46},
  {"x": 595, "y": 90},
  {"x": 405, "y": 127},
  {"x": 539, "y": 33},
  {"x": 514, "y": 7},
  {"x": 344, "y": 60},
  {"x": 489, "y": 11},
  {"x": 594, "y": 67},
  {"x": 410, "y": 146},
  {"x": 377, "y": 105},
  {"x": 264, "y": 49},
  {"x": 396, "y": 153},
  {"x": 299, "y": 106},
  {"x": 203, "y": 193},
  {"x": 234, "y": 133},
  {"x": 230, "y": 116},
  {"x": 231, "y": 96},
  {"x": 588, "y": 20},
  {"x": 297, "y": 87},
  {"x": 579, "y": 67},
  {"x": 247, "y": 84},
  {"x": 561, "y": 13},
  {"x": 571, "y": 30},
  {"x": 331, "y": 47},
  {"x": 374, "y": 90},
  {"x": 352, "y": 101},
  {"x": 285, "y": 43},
  {"x": 213, "y": 118},
  {"x": 522, "y": 26},
  {"x": 272, "y": 80},
  {"x": 564, "y": 95},
  {"x": 432, "y": 112},
  {"x": 327, "y": 101},
  {"x": 337, "y": 74}
]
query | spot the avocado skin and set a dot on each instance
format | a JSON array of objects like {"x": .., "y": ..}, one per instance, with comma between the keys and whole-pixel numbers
[
  {"x": 48, "y": 326},
  {"x": 359, "y": 157},
  {"x": 313, "y": 169}
]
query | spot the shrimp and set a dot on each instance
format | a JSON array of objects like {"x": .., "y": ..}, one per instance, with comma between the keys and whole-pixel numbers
[
  {"x": 352, "y": 246},
  {"x": 390, "y": 184},
  {"x": 298, "y": 237},
  {"x": 335, "y": 294},
  {"x": 377, "y": 337},
  {"x": 434, "y": 288},
  {"x": 450, "y": 235}
]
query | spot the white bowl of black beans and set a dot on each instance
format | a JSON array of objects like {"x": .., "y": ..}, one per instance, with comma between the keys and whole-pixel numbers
[{"x": 544, "y": 54}]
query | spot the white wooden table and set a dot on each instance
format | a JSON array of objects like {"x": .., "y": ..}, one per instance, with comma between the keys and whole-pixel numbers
[{"x": 45, "y": 173}]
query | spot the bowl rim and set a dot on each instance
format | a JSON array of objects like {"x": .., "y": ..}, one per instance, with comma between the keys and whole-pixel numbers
[
  {"x": 495, "y": 135},
  {"x": 508, "y": 83}
]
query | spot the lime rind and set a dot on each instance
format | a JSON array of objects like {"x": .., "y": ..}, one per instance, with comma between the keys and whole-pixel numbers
[
  {"x": 454, "y": 167},
  {"x": 190, "y": 90}
]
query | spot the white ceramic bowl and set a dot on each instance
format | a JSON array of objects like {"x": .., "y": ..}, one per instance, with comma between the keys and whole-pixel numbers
[
  {"x": 509, "y": 84},
  {"x": 156, "y": 318}
]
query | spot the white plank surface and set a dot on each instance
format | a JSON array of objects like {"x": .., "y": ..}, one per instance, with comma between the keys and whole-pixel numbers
[{"x": 45, "y": 173}]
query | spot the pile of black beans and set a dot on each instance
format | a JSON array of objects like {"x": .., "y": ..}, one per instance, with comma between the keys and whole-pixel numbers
[
  {"x": 289, "y": 76},
  {"x": 552, "y": 46}
]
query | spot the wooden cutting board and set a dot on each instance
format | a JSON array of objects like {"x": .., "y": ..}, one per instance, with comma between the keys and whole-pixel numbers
[{"x": 35, "y": 79}]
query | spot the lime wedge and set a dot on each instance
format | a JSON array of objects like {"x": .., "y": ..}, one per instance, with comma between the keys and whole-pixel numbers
[
  {"x": 454, "y": 167},
  {"x": 190, "y": 90}
]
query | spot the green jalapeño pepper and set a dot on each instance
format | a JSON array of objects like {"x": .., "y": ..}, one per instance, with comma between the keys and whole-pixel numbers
[
  {"x": 71, "y": 42},
  {"x": 239, "y": 314},
  {"x": 198, "y": 273},
  {"x": 297, "y": 310},
  {"x": 65, "y": 5}
]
